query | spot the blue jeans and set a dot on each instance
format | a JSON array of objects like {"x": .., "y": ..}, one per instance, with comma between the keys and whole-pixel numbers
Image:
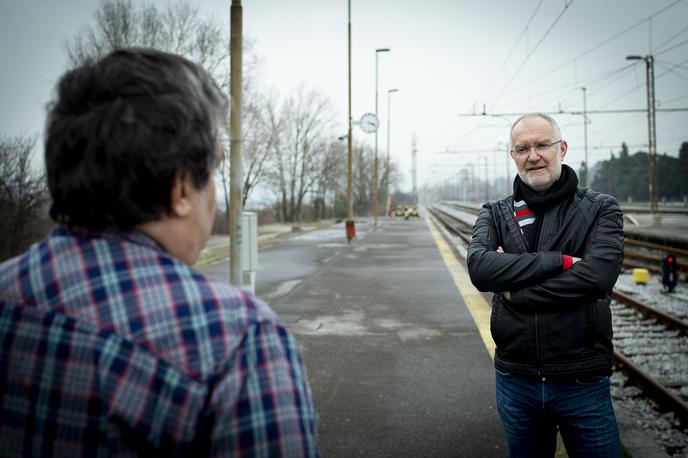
[{"x": 532, "y": 408}]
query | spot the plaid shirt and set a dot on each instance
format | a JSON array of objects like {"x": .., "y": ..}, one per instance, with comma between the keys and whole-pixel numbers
[{"x": 112, "y": 347}]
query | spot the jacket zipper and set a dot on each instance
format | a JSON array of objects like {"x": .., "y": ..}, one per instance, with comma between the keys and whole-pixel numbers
[
  {"x": 537, "y": 334},
  {"x": 537, "y": 344},
  {"x": 512, "y": 212},
  {"x": 535, "y": 317}
]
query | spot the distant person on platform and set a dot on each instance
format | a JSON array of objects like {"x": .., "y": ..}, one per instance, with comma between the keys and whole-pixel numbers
[
  {"x": 112, "y": 345},
  {"x": 551, "y": 254}
]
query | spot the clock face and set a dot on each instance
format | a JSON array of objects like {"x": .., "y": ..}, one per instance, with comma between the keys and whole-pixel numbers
[{"x": 369, "y": 123}]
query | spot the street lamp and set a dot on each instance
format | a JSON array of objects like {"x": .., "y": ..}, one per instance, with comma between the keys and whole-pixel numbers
[
  {"x": 350, "y": 227},
  {"x": 375, "y": 172},
  {"x": 651, "y": 128},
  {"x": 389, "y": 117},
  {"x": 585, "y": 136},
  {"x": 235, "y": 205}
]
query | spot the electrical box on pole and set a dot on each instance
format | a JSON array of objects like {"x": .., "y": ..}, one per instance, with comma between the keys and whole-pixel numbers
[{"x": 249, "y": 251}]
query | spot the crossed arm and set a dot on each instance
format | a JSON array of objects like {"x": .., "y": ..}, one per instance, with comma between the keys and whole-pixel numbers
[{"x": 540, "y": 278}]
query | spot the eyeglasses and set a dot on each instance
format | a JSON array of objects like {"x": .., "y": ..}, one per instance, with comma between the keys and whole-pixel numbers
[{"x": 540, "y": 147}]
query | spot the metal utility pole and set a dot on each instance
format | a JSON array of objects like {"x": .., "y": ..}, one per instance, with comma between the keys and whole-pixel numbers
[
  {"x": 414, "y": 192},
  {"x": 651, "y": 128},
  {"x": 350, "y": 227},
  {"x": 486, "y": 180},
  {"x": 375, "y": 167},
  {"x": 508, "y": 169},
  {"x": 389, "y": 129},
  {"x": 585, "y": 135},
  {"x": 235, "y": 205},
  {"x": 652, "y": 131}
]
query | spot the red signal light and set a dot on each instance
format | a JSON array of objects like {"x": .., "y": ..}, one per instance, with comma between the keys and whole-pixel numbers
[{"x": 670, "y": 259}]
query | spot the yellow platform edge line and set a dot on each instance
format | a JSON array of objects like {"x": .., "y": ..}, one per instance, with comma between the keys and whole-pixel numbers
[{"x": 479, "y": 308}]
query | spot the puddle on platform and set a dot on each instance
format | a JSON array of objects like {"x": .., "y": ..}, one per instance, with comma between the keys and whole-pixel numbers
[
  {"x": 388, "y": 323},
  {"x": 351, "y": 323},
  {"x": 418, "y": 333},
  {"x": 382, "y": 246},
  {"x": 281, "y": 289}
]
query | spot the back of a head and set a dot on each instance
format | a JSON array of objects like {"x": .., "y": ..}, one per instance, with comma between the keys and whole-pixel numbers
[{"x": 120, "y": 130}]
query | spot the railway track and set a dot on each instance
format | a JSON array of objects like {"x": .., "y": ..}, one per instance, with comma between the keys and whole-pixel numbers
[
  {"x": 661, "y": 335},
  {"x": 647, "y": 255},
  {"x": 458, "y": 227},
  {"x": 637, "y": 253}
]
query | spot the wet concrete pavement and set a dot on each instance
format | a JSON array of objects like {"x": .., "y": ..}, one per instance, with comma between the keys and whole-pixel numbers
[{"x": 394, "y": 358}]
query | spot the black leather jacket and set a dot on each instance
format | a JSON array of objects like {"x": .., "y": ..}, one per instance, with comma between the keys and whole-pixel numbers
[{"x": 556, "y": 322}]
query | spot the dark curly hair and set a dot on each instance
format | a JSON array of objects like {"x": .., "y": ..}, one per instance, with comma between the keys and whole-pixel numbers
[{"x": 120, "y": 130}]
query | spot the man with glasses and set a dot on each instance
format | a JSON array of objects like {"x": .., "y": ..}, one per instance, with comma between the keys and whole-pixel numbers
[{"x": 551, "y": 254}]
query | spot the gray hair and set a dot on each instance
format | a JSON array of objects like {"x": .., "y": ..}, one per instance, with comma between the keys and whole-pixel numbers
[{"x": 544, "y": 116}]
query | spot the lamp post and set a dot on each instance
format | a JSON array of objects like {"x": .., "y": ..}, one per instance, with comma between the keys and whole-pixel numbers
[
  {"x": 585, "y": 136},
  {"x": 350, "y": 228},
  {"x": 375, "y": 172},
  {"x": 235, "y": 210},
  {"x": 389, "y": 117},
  {"x": 651, "y": 129},
  {"x": 486, "y": 178}
]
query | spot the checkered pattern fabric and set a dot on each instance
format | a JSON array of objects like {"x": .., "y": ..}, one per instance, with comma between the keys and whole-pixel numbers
[{"x": 109, "y": 346}]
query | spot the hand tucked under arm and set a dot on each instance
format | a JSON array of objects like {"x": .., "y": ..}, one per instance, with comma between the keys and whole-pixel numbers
[
  {"x": 593, "y": 277},
  {"x": 496, "y": 271},
  {"x": 567, "y": 263}
]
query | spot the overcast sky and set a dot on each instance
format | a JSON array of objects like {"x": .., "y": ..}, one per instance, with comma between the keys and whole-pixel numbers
[{"x": 447, "y": 58}]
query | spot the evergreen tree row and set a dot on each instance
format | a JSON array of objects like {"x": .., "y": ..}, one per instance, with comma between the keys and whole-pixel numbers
[{"x": 626, "y": 176}]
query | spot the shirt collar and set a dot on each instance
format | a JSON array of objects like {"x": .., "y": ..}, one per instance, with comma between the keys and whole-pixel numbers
[{"x": 111, "y": 233}]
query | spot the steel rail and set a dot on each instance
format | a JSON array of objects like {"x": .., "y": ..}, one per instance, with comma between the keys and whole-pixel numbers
[
  {"x": 669, "y": 321},
  {"x": 653, "y": 388},
  {"x": 656, "y": 246},
  {"x": 450, "y": 222}
]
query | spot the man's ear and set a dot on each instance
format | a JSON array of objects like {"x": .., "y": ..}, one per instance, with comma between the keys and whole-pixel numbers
[
  {"x": 180, "y": 197},
  {"x": 564, "y": 148}
]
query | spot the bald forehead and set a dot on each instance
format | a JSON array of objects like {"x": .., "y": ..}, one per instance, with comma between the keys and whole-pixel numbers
[{"x": 536, "y": 122}]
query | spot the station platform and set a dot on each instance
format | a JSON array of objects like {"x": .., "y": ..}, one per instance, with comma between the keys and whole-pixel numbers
[
  {"x": 395, "y": 359},
  {"x": 672, "y": 228}
]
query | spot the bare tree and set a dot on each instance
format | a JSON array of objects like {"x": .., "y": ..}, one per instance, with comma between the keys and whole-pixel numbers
[
  {"x": 330, "y": 178},
  {"x": 362, "y": 179},
  {"x": 304, "y": 125},
  {"x": 391, "y": 178},
  {"x": 177, "y": 28},
  {"x": 23, "y": 196}
]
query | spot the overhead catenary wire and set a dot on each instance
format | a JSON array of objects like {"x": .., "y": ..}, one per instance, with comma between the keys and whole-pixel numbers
[
  {"x": 675, "y": 99},
  {"x": 569, "y": 88},
  {"x": 523, "y": 33},
  {"x": 671, "y": 70},
  {"x": 567, "y": 3},
  {"x": 640, "y": 85},
  {"x": 602, "y": 43},
  {"x": 593, "y": 85},
  {"x": 670, "y": 39},
  {"x": 619, "y": 125},
  {"x": 595, "y": 89},
  {"x": 671, "y": 48},
  {"x": 563, "y": 95},
  {"x": 498, "y": 150}
]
